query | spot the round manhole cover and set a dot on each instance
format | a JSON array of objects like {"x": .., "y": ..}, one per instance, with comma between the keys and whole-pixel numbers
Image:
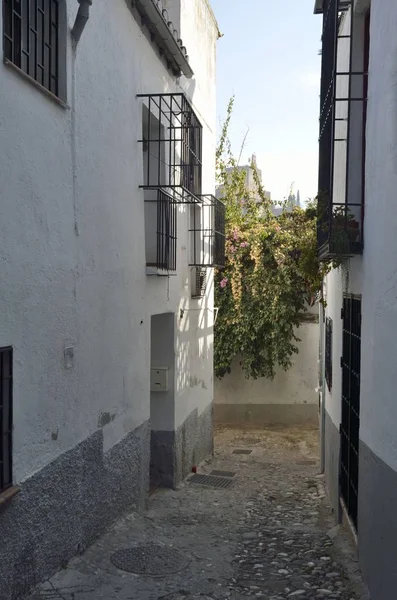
[{"x": 150, "y": 559}]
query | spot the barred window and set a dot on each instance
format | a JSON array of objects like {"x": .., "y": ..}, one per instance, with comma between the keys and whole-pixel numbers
[
  {"x": 34, "y": 40},
  {"x": 5, "y": 418},
  {"x": 328, "y": 353}
]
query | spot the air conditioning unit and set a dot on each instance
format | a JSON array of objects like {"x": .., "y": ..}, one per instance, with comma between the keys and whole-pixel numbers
[{"x": 199, "y": 282}]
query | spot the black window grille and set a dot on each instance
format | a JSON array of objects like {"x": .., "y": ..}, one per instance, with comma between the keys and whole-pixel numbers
[
  {"x": 207, "y": 233},
  {"x": 172, "y": 141},
  {"x": 350, "y": 422},
  {"x": 328, "y": 353},
  {"x": 31, "y": 37},
  {"x": 342, "y": 130},
  {"x": 5, "y": 418},
  {"x": 199, "y": 282},
  {"x": 161, "y": 216}
]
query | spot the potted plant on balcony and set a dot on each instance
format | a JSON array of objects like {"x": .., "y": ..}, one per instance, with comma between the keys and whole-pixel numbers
[{"x": 346, "y": 224}]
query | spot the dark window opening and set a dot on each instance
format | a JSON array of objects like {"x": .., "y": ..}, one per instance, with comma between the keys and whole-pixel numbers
[
  {"x": 5, "y": 418},
  {"x": 172, "y": 133},
  {"x": 343, "y": 100},
  {"x": 207, "y": 233},
  {"x": 328, "y": 353},
  {"x": 31, "y": 40}
]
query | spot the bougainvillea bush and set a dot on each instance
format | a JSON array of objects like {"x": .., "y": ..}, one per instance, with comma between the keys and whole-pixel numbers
[{"x": 270, "y": 273}]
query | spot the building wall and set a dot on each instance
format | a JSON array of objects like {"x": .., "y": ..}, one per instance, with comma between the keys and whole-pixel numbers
[
  {"x": 73, "y": 266},
  {"x": 290, "y": 399},
  {"x": 378, "y": 449},
  {"x": 374, "y": 276}
]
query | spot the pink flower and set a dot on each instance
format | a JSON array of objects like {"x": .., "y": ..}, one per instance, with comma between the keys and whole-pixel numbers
[
  {"x": 232, "y": 249},
  {"x": 223, "y": 283},
  {"x": 235, "y": 234},
  {"x": 243, "y": 244}
]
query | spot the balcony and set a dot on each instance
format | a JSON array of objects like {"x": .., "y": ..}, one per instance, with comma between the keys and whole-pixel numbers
[
  {"x": 172, "y": 146},
  {"x": 342, "y": 131}
]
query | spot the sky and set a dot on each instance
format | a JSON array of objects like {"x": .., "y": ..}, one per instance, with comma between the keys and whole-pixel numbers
[{"x": 268, "y": 58}]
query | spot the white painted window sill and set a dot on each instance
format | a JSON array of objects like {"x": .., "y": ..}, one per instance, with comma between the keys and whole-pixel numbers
[{"x": 36, "y": 84}]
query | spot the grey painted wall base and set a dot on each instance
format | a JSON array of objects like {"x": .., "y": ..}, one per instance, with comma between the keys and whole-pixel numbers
[
  {"x": 173, "y": 453},
  {"x": 66, "y": 505},
  {"x": 331, "y": 464},
  {"x": 377, "y": 525},
  {"x": 267, "y": 414}
]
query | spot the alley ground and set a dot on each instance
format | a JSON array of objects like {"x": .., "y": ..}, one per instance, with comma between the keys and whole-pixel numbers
[{"x": 268, "y": 535}]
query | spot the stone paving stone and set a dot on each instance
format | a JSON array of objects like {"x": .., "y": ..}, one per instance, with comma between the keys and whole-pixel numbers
[{"x": 271, "y": 535}]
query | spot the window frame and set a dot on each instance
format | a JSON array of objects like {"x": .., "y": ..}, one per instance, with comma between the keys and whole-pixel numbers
[{"x": 35, "y": 37}]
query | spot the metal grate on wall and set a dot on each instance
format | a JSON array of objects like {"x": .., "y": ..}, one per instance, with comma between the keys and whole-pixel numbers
[
  {"x": 207, "y": 233},
  {"x": 343, "y": 77},
  {"x": 166, "y": 215},
  {"x": 31, "y": 39},
  {"x": 5, "y": 418},
  {"x": 328, "y": 353},
  {"x": 350, "y": 422},
  {"x": 172, "y": 141}
]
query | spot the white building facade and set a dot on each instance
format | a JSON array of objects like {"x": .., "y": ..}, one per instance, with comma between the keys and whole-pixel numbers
[
  {"x": 108, "y": 236},
  {"x": 358, "y": 224}
]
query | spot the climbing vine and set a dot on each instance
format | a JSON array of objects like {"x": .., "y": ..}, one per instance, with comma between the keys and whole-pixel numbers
[{"x": 270, "y": 274}]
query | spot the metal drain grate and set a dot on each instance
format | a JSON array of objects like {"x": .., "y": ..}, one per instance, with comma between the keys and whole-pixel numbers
[
  {"x": 150, "y": 559},
  {"x": 238, "y": 451},
  {"x": 223, "y": 473},
  {"x": 210, "y": 481}
]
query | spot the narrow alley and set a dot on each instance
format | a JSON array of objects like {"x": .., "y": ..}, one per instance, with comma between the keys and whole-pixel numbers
[{"x": 266, "y": 533}]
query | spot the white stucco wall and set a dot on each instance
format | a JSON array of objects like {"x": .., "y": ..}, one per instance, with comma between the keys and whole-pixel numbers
[
  {"x": 379, "y": 324},
  {"x": 72, "y": 243},
  {"x": 346, "y": 279},
  {"x": 297, "y": 386},
  {"x": 374, "y": 274}
]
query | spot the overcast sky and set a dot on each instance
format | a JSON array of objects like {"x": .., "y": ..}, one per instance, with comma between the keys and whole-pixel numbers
[{"x": 268, "y": 57}]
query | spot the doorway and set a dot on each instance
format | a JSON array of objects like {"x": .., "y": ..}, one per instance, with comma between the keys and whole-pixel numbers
[{"x": 162, "y": 400}]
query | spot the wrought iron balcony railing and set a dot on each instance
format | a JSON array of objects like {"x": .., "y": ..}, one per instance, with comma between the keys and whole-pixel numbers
[
  {"x": 342, "y": 130},
  {"x": 172, "y": 146}
]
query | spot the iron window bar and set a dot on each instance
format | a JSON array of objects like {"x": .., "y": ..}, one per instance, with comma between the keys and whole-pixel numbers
[
  {"x": 340, "y": 217},
  {"x": 31, "y": 39},
  {"x": 328, "y": 352},
  {"x": 350, "y": 420},
  {"x": 207, "y": 233},
  {"x": 199, "y": 282},
  {"x": 6, "y": 419},
  {"x": 172, "y": 142},
  {"x": 161, "y": 217}
]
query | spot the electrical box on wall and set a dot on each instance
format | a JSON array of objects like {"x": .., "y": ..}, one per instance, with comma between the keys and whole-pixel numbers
[{"x": 159, "y": 379}]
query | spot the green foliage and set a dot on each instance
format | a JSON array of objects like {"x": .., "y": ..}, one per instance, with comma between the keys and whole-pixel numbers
[{"x": 271, "y": 272}]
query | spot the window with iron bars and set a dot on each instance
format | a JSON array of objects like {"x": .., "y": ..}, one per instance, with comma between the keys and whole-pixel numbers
[
  {"x": 172, "y": 140},
  {"x": 161, "y": 215},
  {"x": 5, "y": 418},
  {"x": 34, "y": 40},
  {"x": 199, "y": 282},
  {"x": 328, "y": 353},
  {"x": 207, "y": 233},
  {"x": 342, "y": 130}
]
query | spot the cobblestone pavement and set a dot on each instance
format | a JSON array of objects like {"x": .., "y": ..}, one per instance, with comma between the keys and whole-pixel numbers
[{"x": 269, "y": 535}]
